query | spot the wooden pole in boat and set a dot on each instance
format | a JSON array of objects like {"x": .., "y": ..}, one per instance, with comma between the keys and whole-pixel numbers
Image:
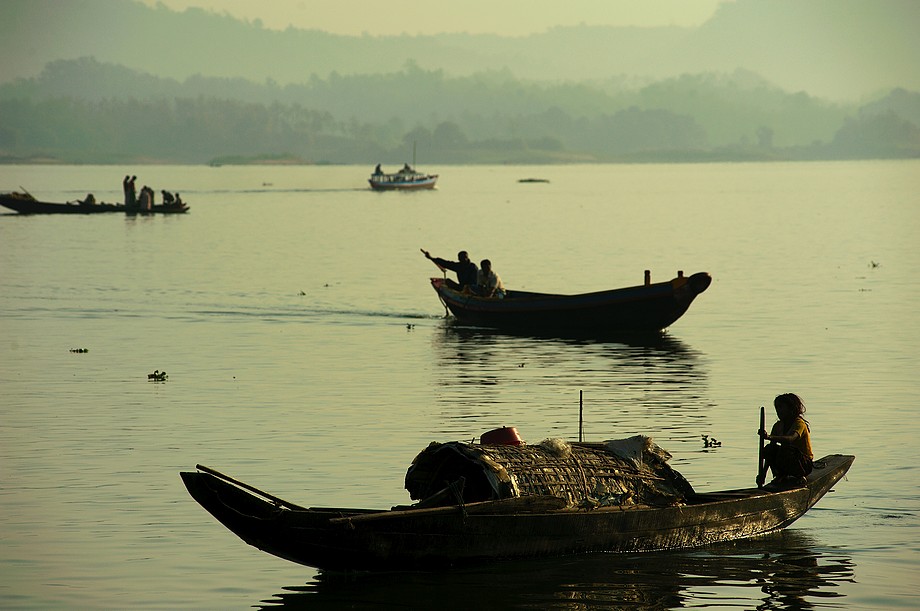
[
  {"x": 245, "y": 486},
  {"x": 761, "y": 459},
  {"x": 580, "y": 414}
]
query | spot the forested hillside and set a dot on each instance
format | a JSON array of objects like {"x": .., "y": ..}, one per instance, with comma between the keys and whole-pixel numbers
[
  {"x": 86, "y": 111},
  {"x": 833, "y": 49},
  {"x": 106, "y": 81}
]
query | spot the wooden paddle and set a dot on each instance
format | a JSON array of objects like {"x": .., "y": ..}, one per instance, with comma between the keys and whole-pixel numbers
[{"x": 761, "y": 459}]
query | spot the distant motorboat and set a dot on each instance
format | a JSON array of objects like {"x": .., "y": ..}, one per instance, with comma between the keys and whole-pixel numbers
[{"x": 406, "y": 179}]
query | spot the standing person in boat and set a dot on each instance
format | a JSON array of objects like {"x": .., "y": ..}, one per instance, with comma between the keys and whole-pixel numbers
[
  {"x": 130, "y": 192},
  {"x": 488, "y": 283},
  {"x": 378, "y": 171},
  {"x": 464, "y": 268},
  {"x": 789, "y": 453},
  {"x": 146, "y": 199}
]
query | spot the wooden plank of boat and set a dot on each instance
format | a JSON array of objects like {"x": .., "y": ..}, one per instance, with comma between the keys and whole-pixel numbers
[
  {"x": 647, "y": 308},
  {"x": 366, "y": 539}
]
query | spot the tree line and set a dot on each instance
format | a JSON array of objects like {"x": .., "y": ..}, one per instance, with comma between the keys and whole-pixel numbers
[{"x": 83, "y": 111}]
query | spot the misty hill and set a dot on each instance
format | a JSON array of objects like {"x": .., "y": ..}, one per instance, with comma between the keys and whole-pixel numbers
[
  {"x": 838, "y": 49},
  {"x": 86, "y": 111}
]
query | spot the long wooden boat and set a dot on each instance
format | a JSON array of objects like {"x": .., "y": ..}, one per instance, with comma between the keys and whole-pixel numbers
[
  {"x": 539, "y": 525},
  {"x": 26, "y": 204},
  {"x": 642, "y": 309},
  {"x": 404, "y": 180}
]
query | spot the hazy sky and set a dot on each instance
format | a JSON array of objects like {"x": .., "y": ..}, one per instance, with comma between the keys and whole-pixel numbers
[{"x": 508, "y": 17}]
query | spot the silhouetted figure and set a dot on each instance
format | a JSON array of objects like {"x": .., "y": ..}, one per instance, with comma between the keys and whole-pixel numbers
[
  {"x": 488, "y": 283},
  {"x": 465, "y": 269},
  {"x": 789, "y": 453},
  {"x": 130, "y": 192}
]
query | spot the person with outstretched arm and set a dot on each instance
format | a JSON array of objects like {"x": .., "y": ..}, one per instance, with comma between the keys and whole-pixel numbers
[{"x": 465, "y": 269}]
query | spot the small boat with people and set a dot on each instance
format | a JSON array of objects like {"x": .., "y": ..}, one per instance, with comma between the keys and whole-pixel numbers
[
  {"x": 25, "y": 203},
  {"x": 406, "y": 179},
  {"x": 502, "y": 498},
  {"x": 647, "y": 308}
]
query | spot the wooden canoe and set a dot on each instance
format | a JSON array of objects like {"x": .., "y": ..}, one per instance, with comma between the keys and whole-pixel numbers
[
  {"x": 523, "y": 527},
  {"x": 24, "y": 204},
  {"x": 643, "y": 309}
]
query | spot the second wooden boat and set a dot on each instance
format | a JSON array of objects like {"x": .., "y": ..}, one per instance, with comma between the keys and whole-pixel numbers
[{"x": 512, "y": 501}]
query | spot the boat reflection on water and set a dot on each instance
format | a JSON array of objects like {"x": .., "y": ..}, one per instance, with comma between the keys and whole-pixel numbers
[
  {"x": 659, "y": 371},
  {"x": 784, "y": 570}
]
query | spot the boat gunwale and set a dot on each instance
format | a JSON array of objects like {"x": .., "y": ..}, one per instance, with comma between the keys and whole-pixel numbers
[{"x": 836, "y": 462}]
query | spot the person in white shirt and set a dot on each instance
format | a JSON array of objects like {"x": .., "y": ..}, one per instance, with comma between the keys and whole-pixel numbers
[{"x": 488, "y": 283}]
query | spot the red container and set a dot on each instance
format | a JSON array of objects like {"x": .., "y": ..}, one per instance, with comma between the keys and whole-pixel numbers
[{"x": 505, "y": 436}]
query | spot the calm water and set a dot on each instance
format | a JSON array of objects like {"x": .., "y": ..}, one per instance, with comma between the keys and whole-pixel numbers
[{"x": 308, "y": 356}]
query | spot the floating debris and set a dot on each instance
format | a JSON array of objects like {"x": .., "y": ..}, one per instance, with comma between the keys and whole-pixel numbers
[
  {"x": 80, "y": 350},
  {"x": 711, "y": 442},
  {"x": 157, "y": 376}
]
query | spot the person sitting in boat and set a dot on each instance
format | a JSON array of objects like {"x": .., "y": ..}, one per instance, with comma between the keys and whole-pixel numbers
[
  {"x": 406, "y": 169},
  {"x": 178, "y": 200},
  {"x": 167, "y": 197},
  {"x": 488, "y": 283},
  {"x": 789, "y": 453},
  {"x": 378, "y": 171},
  {"x": 465, "y": 269},
  {"x": 90, "y": 200}
]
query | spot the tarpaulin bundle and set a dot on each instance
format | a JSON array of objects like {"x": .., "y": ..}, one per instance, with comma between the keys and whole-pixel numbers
[{"x": 623, "y": 472}]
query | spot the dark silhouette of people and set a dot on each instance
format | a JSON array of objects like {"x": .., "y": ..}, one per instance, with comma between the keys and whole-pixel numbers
[
  {"x": 146, "y": 199},
  {"x": 130, "y": 192},
  {"x": 465, "y": 269},
  {"x": 789, "y": 453}
]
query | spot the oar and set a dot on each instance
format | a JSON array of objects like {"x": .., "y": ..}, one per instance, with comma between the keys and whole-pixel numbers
[{"x": 761, "y": 459}]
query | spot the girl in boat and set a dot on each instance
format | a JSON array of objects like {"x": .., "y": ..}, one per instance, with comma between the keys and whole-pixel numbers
[{"x": 789, "y": 453}]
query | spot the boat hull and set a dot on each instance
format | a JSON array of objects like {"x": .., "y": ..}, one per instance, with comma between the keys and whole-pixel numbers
[
  {"x": 355, "y": 539},
  {"x": 32, "y": 206},
  {"x": 400, "y": 182},
  {"x": 634, "y": 310}
]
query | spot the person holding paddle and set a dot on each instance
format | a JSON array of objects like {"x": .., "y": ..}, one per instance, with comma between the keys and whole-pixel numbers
[
  {"x": 789, "y": 453},
  {"x": 466, "y": 270}
]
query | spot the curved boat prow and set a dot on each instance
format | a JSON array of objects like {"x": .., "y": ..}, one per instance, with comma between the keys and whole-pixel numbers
[{"x": 699, "y": 282}]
